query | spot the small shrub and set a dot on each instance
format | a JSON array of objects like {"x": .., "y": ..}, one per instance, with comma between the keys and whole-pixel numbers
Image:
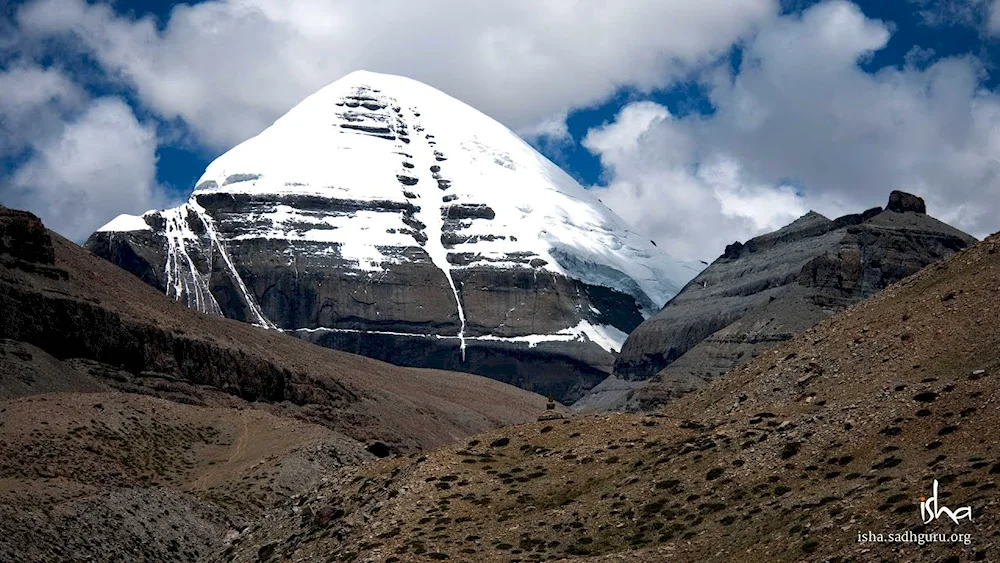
[
  {"x": 789, "y": 450},
  {"x": 887, "y": 463}
]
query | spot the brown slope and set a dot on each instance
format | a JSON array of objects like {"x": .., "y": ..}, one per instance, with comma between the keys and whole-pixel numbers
[
  {"x": 788, "y": 458},
  {"x": 29, "y": 370},
  {"x": 60, "y": 298},
  {"x": 121, "y": 477}
]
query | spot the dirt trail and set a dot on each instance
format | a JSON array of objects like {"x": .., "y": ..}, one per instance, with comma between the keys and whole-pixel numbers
[{"x": 241, "y": 445}]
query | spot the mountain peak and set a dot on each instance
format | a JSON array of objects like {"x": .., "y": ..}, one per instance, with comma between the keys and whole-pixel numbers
[
  {"x": 380, "y": 213},
  {"x": 378, "y": 80},
  {"x": 382, "y": 138},
  {"x": 777, "y": 285}
]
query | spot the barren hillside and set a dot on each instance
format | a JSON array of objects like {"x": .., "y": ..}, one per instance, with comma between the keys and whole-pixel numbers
[{"x": 838, "y": 432}]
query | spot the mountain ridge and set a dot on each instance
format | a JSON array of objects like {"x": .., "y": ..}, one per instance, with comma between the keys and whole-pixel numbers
[
  {"x": 382, "y": 215},
  {"x": 765, "y": 291}
]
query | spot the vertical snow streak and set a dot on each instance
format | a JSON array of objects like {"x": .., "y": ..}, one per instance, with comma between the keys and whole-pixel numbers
[
  {"x": 458, "y": 302},
  {"x": 439, "y": 256},
  {"x": 188, "y": 285},
  {"x": 173, "y": 275},
  {"x": 255, "y": 311},
  {"x": 432, "y": 216}
]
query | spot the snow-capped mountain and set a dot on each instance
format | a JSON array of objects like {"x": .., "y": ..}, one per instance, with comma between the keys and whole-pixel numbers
[{"x": 384, "y": 217}]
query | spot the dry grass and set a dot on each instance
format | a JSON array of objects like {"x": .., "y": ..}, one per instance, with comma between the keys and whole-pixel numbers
[{"x": 785, "y": 459}]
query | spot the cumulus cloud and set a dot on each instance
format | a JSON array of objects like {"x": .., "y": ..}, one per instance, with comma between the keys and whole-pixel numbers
[
  {"x": 228, "y": 68},
  {"x": 84, "y": 161},
  {"x": 33, "y": 102},
  {"x": 801, "y": 127},
  {"x": 667, "y": 186}
]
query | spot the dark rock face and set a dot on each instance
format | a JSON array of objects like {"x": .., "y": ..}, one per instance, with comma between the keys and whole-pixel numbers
[
  {"x": 765, "y": 291},
  {"x": 409, "y": 317},
  {"x": 138, "y": 257},
  {"x": 555, "y": 369},
  {"x": 902, "y": 202},
  {"x": 24, "y": 238},
  {"x": 85, "y": 330}
]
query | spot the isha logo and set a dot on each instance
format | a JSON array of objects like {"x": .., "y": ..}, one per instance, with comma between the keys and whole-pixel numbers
[{"x": 929, "y": 509}]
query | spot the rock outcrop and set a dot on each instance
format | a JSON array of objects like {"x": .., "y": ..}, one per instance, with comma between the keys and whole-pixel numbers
[
  {"x": 24, "y": 238},
  {"x": 384, "y": 218},
  {"x": 766, "y": 291}
]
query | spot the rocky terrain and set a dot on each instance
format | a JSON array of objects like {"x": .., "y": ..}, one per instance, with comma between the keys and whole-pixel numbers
[
  {"x": 764, "y": 292},
  {"x": 122, "y": 477},
  {"x": 839, "y": 431},
  {"x": 133, "y": 428},
  {"x": 385, "y": 218}
]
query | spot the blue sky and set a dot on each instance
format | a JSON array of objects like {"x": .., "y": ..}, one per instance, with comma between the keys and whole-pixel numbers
[{"x": 608, "y": 123}]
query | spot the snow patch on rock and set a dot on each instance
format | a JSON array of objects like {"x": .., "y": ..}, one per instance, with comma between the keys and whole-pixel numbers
[
  {"x": 125, "y": 223},
  {"x": 605, "y": 336}
]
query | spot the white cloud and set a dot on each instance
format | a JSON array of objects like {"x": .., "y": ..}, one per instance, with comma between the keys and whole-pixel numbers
[
  {"x": 552, "y": 130},
  {"x": 230, "y": 67},
  {"x": 26, "y": 88},
  {"x": 689, "y": 200},
  {"x": 33, "y": 103},
  {"x": 620, "y": 142},
  {"x": 801, "y": 111},
  {"x": 983, "y": 15},
  {"x": 100, "y": 163}
]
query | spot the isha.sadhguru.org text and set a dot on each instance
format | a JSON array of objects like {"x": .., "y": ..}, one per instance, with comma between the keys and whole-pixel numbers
[{"x": 913, "y": 537}]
